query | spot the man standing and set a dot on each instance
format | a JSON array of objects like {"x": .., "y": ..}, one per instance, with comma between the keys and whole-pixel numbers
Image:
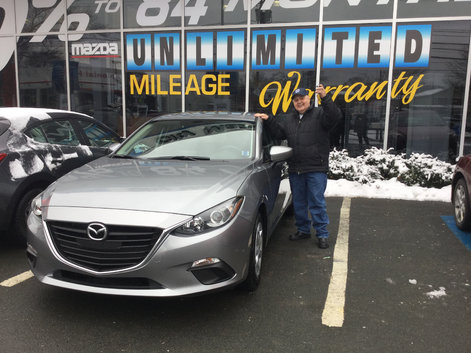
[{"x": 307, "y": 132}]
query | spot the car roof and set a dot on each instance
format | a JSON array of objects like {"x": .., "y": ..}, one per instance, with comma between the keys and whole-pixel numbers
[
  {"x": 216, "y": 115},
  {"x": 21, "y": 117}
]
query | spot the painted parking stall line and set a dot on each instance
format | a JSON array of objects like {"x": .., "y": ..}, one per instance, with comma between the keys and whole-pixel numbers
[
  {"x": 333, "y": 314},
  {"x": 17, "y": 279},
  {"x": 464, "y": 237}
]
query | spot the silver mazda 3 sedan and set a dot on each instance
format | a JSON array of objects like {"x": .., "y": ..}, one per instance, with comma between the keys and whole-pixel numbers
[{"x": 185, "y": 205}]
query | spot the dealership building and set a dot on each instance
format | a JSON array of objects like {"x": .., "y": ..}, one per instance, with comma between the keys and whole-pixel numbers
[{"x": 399, "y": 70}]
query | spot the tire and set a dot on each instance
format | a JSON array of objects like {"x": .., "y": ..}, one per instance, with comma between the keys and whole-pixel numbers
[
  {"x": 21, "y": 215},
  {"x": 461, "y": 205},
  {"x": 256, "y": 256}
]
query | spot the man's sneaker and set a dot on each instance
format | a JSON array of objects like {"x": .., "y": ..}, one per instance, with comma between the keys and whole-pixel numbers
[
  {"x": 322, "y": 243},
  {"x": 299, "y": 235}
]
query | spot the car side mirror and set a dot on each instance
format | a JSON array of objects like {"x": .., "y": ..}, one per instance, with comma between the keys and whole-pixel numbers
[
  {"x": 280, "y": 153},
  {"x": 113, "y": 147}
]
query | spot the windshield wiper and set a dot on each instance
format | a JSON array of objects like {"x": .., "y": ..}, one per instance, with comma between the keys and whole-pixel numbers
[
  {"x": 123, "y": 156},
  {"x": 183, "y": 158},
  {"x": 191, "y": 158}
]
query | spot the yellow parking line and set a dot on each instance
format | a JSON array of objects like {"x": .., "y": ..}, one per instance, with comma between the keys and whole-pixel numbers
[
  {"x": 17, "y": 279},
  {"x": 333, "y": 314}
]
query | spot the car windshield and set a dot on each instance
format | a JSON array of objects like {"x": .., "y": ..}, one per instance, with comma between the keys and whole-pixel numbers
[{"x": 191, "y": 139}]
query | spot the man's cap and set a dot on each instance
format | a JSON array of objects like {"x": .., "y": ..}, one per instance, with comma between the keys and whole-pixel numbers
[{"x": 300, "y": 92}]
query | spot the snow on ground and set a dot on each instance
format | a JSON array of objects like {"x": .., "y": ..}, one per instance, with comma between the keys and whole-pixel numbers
[
  {"x": 386, "y": 189},
  {"x": 437, "y": 293}
]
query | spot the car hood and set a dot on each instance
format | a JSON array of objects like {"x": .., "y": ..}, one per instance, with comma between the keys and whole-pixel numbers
[{"x": 182, "y": 187}]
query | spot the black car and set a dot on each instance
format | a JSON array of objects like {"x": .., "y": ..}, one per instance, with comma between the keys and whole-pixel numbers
[{"x": 37, "y": 146}]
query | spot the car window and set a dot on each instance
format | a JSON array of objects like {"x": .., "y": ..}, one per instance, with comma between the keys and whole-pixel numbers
[
  {"x": 267, "y": 143},
  {"x": 37, "y": 134},
  {"x": 208, "y": 139},
  {"x": 98, "y": 136},
  {"x": 59, "y": 132},
  {"x": 4, "y": 125}
]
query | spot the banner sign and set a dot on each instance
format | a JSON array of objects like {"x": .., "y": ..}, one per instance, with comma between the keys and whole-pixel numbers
[
  {"x": 161, "y": 51},
  {"x": 149, "y": 55}
]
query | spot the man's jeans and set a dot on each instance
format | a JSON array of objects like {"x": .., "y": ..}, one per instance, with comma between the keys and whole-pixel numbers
[{"x": 308, "y": 194}]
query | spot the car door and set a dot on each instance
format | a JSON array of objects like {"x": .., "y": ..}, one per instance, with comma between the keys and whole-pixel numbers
[{"x": 276, "y": 172}]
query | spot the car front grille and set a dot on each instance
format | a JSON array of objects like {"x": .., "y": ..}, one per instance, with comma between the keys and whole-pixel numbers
[{"x": 123, "y": 247}]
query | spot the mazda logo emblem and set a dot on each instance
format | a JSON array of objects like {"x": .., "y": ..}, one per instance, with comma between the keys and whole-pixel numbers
[{"x": 97, "y": 231}]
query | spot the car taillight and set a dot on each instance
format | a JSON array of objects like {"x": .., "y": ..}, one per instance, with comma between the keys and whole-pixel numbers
[{"x": 2, "y": 156}]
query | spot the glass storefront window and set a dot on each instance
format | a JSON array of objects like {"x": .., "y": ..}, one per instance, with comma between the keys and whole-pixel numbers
[
  {"x": 95, "y": 78},
  {"x": 142, "y": 14},
  {"x": 153, "y": 76},
  {"x": 467, "y": 136},
  {"x": 215, "y": 70},
  {"x": 358, "y": 10},
  {"x": 150, "y": 94},
  {"x": 215, "y": 12},
  {"x": 428, "y": 90},
  {"x": 42, "y": 73},
  {"x": 355, "y": 65},
  {"x": 40, "y": 17},
  {"x": 223, "y": 91},
  {"x": 281, "y": 61},
  {"x": 285, "y": 11},
  {"x": 270, "y": 91},
  {"x": 361, "y": 96},
  {"x": 7, "y": 73},
  {"x": 96, "y": 14},
  {"x": 193, "y": 55},
  {"x": 436, "y": 8}
]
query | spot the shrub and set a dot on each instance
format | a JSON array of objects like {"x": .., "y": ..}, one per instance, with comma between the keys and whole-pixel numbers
[{"x": 377, "y": 164}]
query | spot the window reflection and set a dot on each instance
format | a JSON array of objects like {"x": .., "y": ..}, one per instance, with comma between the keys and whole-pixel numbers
[
  {"x": 95, "y": 78},
  {"x": 431, "y": 122},
  {"x": 269, "y": 11},
  {"x": 42, "y": 16},
  {"x": 362, "y": 124},
  {"x": 215, "y": 91},
  {"x": 8, "y": 85},
  {"x": 217, "y": 12},
  {"x": 41, "y": 69},
  {"x": 164, "y": 96},
  {"x": 100, "y": 14},
  {"x": 142, "y": 14}
]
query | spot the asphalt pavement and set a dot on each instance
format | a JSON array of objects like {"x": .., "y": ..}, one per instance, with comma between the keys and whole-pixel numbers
[{"x": 407, "y": 289}]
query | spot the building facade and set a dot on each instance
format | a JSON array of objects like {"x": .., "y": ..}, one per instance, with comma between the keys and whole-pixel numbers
[{"x": 399, "y": 69}]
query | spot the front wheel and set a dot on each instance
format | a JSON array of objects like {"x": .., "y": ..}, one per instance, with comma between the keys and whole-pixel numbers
[
  {"x": 461, "y": 205},
  {"x": 256, "y": 256}
]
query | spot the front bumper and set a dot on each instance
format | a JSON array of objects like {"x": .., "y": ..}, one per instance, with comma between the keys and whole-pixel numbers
[{"x": 165, "y": 271}]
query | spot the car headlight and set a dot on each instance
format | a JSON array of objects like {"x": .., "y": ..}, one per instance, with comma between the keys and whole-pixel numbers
[
  {"x": 36, "y": 205},
  {"x": 213, "y": 218},
  {"x": 41, "y": 201}
]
